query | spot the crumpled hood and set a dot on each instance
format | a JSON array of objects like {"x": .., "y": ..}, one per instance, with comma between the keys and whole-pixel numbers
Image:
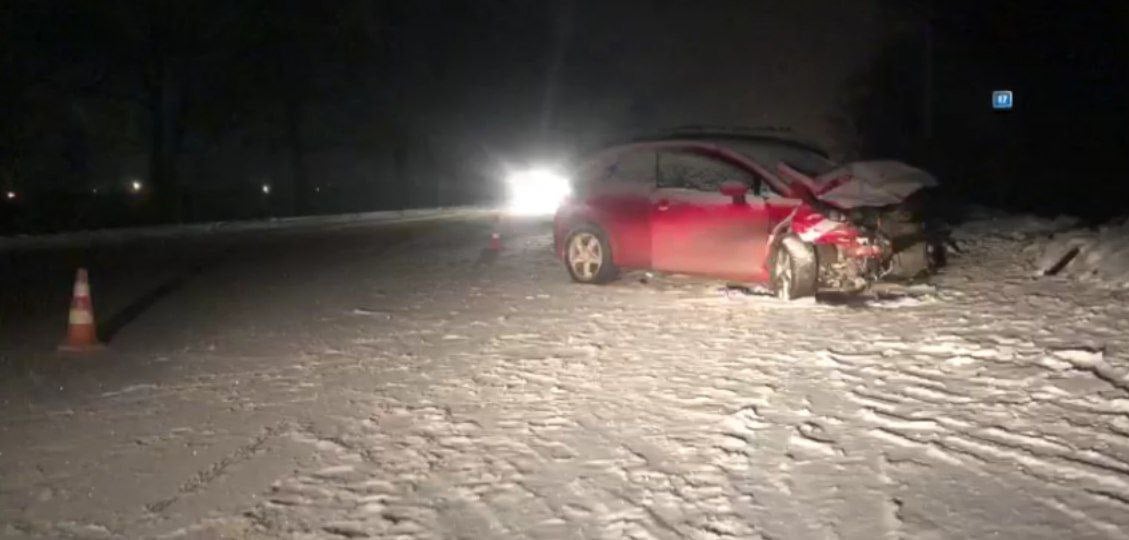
[{"x": 863, "y": 183}]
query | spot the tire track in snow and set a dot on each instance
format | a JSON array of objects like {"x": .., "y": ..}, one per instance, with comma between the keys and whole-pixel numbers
[
  {"x": 202, "y": 478},
  {"x": 909, "y": 416}
]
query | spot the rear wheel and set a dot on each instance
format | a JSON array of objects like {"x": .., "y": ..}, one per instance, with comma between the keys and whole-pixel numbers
[
  {"x": 588, "y": 256},
  {"x": 795, "y": 272}
]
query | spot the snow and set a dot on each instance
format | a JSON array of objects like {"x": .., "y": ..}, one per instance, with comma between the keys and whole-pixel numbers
[
  {"x": 79, "y": 238},
  {"x": 981, "y": 223},
  {"x": 403, "y": 384},
  {"x": 1099, "y": 256}
]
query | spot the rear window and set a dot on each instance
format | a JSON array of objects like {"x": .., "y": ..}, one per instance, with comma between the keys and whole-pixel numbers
[{"x": 625, "y": 168}]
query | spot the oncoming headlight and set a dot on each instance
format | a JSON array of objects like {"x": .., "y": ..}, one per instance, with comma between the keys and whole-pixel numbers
[{"x": 536, "y": 192}]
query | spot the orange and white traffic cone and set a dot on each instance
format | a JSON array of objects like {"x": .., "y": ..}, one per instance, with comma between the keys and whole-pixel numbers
[
  {"x": 82, "y": 334},
  {"x": 496, "y": 234}
]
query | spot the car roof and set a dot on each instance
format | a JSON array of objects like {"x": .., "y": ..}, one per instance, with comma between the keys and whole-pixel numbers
[{"x": 724, "y": 135}]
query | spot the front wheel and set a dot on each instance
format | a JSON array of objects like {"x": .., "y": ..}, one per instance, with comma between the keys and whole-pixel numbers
[
  {"x": 795, "y": 271},
  {"x": 588, "y": 256}
]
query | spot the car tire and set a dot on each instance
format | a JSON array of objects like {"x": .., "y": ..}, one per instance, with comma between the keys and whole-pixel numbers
[
  {"x": 795, "y": 271},
  {"x": 588, "y": 256}
]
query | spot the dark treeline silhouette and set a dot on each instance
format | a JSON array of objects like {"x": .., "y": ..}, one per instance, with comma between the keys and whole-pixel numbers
[
  {"x": 370, "y": 104},
  {"x": 205, "y": 103},
  {"x": 245, "y": 109},
  {"x": 925, "y": 98}
]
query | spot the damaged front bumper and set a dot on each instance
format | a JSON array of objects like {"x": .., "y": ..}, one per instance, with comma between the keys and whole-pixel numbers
[
  {"x": 850, "y": 256},
  {"x": 853, "y": 265},
  {"x": 860, "y": 217}
]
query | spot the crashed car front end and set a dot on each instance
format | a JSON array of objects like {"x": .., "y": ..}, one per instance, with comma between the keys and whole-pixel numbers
[
  {"x": 860, "y": 219},
  {"x": 850, "y": 256}
]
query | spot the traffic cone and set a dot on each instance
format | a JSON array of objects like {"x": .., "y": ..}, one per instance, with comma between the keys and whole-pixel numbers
[
  {"x": 82, "y": 335},
  {"x": 496, "y": 234}
]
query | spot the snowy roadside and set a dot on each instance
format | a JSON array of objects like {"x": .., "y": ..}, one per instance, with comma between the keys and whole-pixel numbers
[
  {"x": 429, "y": 389},
  {"x": 199, "y": 229},
  {"x": 1098, "y": 256},
  {"x": 990, "y": 406}
]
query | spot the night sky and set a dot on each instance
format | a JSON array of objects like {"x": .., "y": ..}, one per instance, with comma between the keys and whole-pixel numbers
[{"x": 358, "y": 105}]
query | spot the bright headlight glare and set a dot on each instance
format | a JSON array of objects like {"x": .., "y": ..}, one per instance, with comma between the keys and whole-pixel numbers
[{"x": 535, "y": 192}]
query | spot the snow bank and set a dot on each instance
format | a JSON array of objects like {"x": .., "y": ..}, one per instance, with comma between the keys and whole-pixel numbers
[
  {"x": 170, "y": 231},
  {"x": 981, "y": 222},
  {"x": 1100, "y": 255},
  {"x": 1056, "y": 246}
]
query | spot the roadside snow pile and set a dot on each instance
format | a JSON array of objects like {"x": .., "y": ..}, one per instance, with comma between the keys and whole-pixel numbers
[
  {"x": 1058, "y": 246},
  {"x": 1100, "y": 255},
  {"x": 982, "y": 222}
]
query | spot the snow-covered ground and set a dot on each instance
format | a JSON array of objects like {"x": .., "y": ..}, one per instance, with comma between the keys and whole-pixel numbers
[
  {"x": 1099, "y": 256},
  {"x": 396, "y": 381},
  {"x": 128, "y": 234}
]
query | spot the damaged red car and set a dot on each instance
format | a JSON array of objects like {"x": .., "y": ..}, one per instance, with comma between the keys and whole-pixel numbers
[{"x": 761, "y": 209}]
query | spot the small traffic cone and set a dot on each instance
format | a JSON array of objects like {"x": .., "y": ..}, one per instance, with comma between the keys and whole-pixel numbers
[
  {"x": 82, "y": 335},
  {"x": 496, "y": 235}
]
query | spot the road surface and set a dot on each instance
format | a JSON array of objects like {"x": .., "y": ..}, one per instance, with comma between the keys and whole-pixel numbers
[{"x": 392, "y": 380}]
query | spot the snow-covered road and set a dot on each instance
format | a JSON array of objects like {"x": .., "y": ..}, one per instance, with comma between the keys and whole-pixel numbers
[{"x": 392, "y": 381}]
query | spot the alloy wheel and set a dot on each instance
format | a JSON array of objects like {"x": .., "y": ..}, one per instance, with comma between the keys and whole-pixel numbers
[{"x": 585, "y": 256}]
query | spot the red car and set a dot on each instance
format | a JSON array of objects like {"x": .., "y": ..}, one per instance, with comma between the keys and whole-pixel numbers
[{"x": 748, "y": 209}]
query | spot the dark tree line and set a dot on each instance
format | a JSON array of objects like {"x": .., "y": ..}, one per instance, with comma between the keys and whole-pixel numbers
[
  {"x": 352, "y": 105},
  {"x": 925, "y": 98},
  {"x": 205, "y": 100}
]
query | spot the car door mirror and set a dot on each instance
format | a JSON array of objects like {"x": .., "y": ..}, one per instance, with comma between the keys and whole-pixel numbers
[{"x": 736, "y": 190}]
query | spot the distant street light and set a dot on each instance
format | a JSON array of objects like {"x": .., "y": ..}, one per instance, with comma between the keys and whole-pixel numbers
[
  {"x": 11, "y": 195},
  {"x": 135, "y": 186},
  {"x": 266, "y": 189}
]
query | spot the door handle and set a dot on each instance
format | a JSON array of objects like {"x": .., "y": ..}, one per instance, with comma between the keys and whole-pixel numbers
[{"x": 662, "y": 205}]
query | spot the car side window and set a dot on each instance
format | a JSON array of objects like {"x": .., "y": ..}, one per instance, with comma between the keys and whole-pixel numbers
[
  {"x": 688, "y": 170},
  {"x": 632, "y": 168}
]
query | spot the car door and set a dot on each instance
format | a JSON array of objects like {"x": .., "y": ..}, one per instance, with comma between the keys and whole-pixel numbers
[
  {"x": 621, "y": 206},
  {"x": 695, "y": 229}
]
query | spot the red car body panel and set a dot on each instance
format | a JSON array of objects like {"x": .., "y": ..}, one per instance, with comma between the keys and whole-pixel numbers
[
  {"x": 624, "y": 217},
  {"x": 690, "y": 231},
  {"x": 709, "y": 234}
]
